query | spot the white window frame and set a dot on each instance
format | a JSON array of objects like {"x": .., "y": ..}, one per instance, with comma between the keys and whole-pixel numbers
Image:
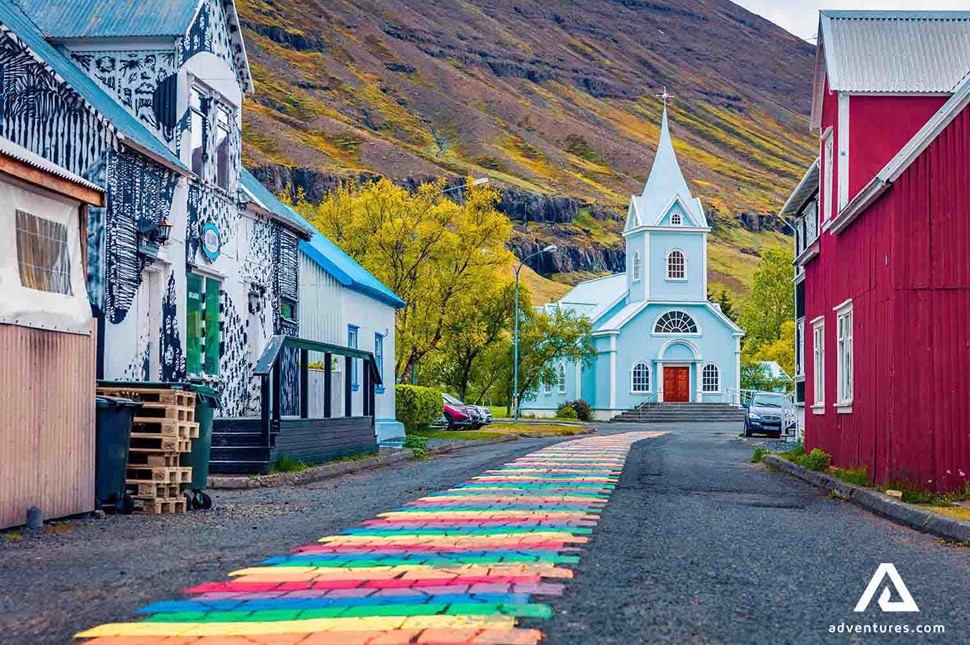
[
  {"x": 828, "y": 165},
  {"x": 845, "y": 356},
  {"x": 717, "y": 376},
  {"x": 561, "y": 378},
  {"x": 683, "y": 256},
  {"x": 633, "y": 378},
  {"x": 679, "y": 221},
  {"x": 800, "y": 347},
  {"x": 818, "y": 365},
  {"x": 683, "y": 314},
  {"x": 636, "y": 266}
]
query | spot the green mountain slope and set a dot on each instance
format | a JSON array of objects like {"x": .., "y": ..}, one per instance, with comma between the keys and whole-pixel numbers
[{"x": 552, "y": 99}]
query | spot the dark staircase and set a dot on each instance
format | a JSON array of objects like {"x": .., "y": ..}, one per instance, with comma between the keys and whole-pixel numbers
[
  {"x": 238, "y": 448},
  {"x": 681, "y": 413}
]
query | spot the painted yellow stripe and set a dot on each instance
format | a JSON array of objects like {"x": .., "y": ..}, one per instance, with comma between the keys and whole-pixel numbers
[{"x": 369, "y": 623}]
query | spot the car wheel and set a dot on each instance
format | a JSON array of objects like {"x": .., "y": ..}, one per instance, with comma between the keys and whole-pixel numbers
[
  {"x": 747, "y": 431},
  {"x": 451, "y": 422}
]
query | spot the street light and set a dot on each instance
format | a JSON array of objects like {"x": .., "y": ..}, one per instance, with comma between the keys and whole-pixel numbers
[
  {"x": 477, "y": 182},
  {"x": 515, "y": 336}
]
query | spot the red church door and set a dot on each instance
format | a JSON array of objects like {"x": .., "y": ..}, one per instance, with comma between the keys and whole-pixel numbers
[{"x": 677, "y": 384}]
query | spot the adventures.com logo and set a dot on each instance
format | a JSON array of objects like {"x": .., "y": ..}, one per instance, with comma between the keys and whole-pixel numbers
[{"x": 895, "y": 598}]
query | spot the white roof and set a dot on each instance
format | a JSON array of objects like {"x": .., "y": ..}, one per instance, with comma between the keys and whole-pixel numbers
[
  {"x": 24, "y": 155},
  {"x": 594, "y": 298},
  {"x": 775, "y": 370},
  {"x": 665, "y": 184},
  {"x": 926, "y": 52}
]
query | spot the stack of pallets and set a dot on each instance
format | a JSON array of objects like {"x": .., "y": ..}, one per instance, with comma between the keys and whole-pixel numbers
[{"x": 163, "y": 429}]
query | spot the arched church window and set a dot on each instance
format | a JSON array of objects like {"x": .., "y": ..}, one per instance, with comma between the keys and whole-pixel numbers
[
  {"x": 676, "y": 219},
  {"x": 641, "y": 378},
  {"x": 636, "y": 265},
  {"x": 675, "y": 322},
  {"x": 676, "y": 265},
  {"x": 561, "y": 378},
  {"x": 712, "y": 378}
]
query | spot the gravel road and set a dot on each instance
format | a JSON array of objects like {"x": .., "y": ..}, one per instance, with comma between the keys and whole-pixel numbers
[{"x": 53, "y": 584}]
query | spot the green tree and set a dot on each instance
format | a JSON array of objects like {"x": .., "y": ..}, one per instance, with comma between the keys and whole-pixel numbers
[
  {"x": 545, "y": 340},
  {"x": 771, "y": 301},
  {"x": 781, "y": 351},
  {"x": 433, "y": 253},
  {"x": 725, "y": 302}
]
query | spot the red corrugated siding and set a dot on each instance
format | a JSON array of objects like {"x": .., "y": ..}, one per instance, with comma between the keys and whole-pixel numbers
[{"x": 905, "y": 265}]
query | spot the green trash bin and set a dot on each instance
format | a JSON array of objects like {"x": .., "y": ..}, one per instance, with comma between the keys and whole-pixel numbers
[
  {"x": 206, "y": 402},
  {"x": 113, "y": 419}
]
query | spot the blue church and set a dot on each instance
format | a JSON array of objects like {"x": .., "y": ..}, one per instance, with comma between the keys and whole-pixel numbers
[{"x": 656, "y": 335}]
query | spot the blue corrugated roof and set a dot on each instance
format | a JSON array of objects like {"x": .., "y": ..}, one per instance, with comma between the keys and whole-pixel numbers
[
  {"x": 127, "y": 125},
  {"x": 321, "y": 250},
  {"x": 110, "y": 18}
]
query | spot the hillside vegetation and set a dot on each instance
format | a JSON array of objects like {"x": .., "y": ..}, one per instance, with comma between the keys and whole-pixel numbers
[{"x": 554, "y": 100}]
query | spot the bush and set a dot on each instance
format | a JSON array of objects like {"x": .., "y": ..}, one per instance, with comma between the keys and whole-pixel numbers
[
  {"x": 417, "y": 407},
  {"x": 417, "y": 445},
  {"x": 816, "y": 460},
  {"x": 578, "y": 409},
  {"x": 566, "y": 411}
]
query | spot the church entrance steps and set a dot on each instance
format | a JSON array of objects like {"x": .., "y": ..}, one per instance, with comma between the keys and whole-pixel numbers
[{"x": 681, "y": 413}]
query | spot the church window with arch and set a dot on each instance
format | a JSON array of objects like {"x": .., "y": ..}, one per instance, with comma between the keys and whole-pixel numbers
[
  {"x": 641, "y": 378},
  {"x": 676, "y": 219},
  {"x": 676, "y": 265},
  {"x": 561, "y": 378},
  {"x": 675, "y": 322},
  {"x": 636, "y": 265},
  {"x": 711, "y": 379}
]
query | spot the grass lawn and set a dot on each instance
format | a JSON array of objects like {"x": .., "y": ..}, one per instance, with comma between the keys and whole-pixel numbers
[
  {"x": 498, "y": 411},
  {"x": 502, "y": 430},
  {"x": 961, "y": 513}
]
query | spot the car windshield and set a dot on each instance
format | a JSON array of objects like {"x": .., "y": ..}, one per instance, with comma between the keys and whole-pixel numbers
[
  {"x": 450, "y": 400},
  {"x": 770, "y": 400}
]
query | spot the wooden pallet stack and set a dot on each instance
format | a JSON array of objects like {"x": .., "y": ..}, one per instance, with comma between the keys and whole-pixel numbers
[{"x": 163, "y": 429}]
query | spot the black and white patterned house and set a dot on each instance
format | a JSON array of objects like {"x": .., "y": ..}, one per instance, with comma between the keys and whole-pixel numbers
[{"x": 190, "y": 273}]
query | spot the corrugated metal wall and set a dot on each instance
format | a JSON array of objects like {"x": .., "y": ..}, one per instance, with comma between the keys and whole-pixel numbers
[
  {"x": 905, "y": 265},
  {"x": 46, "y": 423},
  {"x": 319, "y": 304}
]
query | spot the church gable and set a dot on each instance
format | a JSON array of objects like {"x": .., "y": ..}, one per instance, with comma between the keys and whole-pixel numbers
[{"x": 679, "y": 213}]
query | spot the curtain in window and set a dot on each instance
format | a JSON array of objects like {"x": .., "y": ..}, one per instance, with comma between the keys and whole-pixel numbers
[{"x": 42, "y": 254}]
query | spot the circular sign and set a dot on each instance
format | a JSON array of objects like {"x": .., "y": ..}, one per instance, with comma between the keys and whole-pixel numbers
[{"x": 211, "y": 241}]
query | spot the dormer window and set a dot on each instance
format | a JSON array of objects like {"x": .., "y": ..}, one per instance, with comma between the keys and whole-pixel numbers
[
  {"x": 676, "y": 219},
  {"x": 636, "y": 266}
]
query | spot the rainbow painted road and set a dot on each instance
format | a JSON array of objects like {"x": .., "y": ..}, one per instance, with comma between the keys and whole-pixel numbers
[{"x": 461, "y": 566}]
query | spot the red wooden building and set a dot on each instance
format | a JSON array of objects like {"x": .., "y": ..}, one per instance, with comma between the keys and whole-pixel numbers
[{"x": 883, "y": 248}]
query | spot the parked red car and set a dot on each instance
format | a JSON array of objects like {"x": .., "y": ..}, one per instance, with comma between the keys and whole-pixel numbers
[{"x": 458, "y": 416}]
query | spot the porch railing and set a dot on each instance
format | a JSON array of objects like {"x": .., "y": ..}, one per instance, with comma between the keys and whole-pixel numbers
[{"x": 276, "y": 361}]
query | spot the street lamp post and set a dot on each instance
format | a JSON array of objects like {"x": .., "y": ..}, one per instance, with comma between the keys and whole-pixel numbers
[{"x": 515, "y": 334}]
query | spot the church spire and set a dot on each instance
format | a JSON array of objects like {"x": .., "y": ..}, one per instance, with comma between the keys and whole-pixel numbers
[{"x": 666, "y": 179}]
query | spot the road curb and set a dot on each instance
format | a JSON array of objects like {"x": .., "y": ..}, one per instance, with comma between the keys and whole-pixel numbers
[
  {"x": 335, "y": 469},
  {"x": 876, "y": 502}
]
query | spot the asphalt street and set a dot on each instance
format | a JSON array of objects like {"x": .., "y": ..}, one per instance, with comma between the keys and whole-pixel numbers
[
  {"x": 695, "y": 546},
  {"x": 699, "y": 546}
]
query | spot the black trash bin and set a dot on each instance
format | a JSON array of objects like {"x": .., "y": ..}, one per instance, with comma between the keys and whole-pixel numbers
[
  {"x": 113, "y": 436},
  {"x": 206, "y": 402}
]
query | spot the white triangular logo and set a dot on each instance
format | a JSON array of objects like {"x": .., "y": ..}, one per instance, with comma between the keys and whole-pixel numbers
[{"x": 905, "y": 602}]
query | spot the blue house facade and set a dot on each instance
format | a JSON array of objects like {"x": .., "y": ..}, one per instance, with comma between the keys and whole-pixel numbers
[{"x": 656, "y": 335}]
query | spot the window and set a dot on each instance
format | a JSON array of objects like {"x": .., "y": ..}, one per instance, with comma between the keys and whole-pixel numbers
[
  {"x": 800, "y": 348},
  {"x": 353, "y": 342},
  {"x": 197, "y": 105},
  {"x": 711, "y": 378},
  {"x": 636, "y": 266},
  {"x": 818, "y": 361},
  {"x": 379, "y": 357},
  {"x": 202, "y": 351},
  {"x": 676, "y": 219},
  {"x": 223, "y": 121},
  {"x": 676, "y": 265},
  {"x": 828, "y": 148},
  {"x": 561, "y": 378},
  {"x": 641, "y": 378},
  {"x": 42, "y": 254},
  {"x": 844, "y": 336},
  {"x": 675, "y": 322},
  {"x": 547, "y": 388}
]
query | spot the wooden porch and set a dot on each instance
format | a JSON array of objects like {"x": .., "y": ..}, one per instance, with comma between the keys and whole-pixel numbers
[{"x": 250, "y": 445}]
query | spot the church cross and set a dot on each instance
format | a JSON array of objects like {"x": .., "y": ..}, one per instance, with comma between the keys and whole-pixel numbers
[{"x": 666, "y": 96}]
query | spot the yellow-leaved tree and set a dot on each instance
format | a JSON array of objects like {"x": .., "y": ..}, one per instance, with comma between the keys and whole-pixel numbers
[{"x": 441, "y": 257}]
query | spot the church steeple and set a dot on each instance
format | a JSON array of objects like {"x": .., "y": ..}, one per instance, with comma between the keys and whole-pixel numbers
[{"x": 664, "y": 184}]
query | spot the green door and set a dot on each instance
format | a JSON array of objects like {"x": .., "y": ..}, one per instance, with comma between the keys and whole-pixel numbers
[{"x": 202, "y": 325}]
